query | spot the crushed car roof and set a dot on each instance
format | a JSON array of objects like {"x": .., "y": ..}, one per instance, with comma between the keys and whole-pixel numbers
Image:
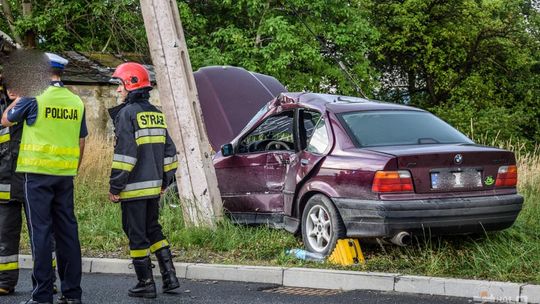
[{"x": 339, "y": 103}]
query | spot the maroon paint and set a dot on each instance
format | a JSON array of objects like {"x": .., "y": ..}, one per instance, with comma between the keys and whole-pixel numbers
[{"x": 269, "y": 182}]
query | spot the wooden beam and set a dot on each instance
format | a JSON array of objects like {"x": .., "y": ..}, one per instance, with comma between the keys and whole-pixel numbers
[{"x": 196, "y": 177}]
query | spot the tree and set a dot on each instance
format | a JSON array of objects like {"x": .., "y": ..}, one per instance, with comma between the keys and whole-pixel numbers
[
  {"x": 463, "y": 54},
  {"x": 299, "y": 44},
  {"x": 82, "y": 25},
  {"x": 459, "y": 59},
  {"x": 9, "y": 21},
  {"x": 291, "y": 40}
]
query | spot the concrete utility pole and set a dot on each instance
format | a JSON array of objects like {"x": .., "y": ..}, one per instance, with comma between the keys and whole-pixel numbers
[{"x": 196, "y": 178}]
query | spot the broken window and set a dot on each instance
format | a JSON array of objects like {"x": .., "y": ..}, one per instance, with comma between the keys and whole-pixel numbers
[
  {"x": 307, "y": 126},
  {"x": 319, "y": 141},
  {"x": 275, "y": 133}
]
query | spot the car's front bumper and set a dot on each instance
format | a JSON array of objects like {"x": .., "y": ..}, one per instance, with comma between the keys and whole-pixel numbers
[{"x": 377, "y": 218}]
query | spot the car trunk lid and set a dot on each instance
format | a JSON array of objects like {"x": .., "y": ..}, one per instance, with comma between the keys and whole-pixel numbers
[{"x": 449, "y": 168}]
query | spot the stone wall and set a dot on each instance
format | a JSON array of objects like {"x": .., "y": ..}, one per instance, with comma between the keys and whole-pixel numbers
[{"x": 97, "y": 99}]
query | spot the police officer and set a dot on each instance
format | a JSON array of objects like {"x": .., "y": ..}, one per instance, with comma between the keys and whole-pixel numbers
[
  {"x": 144, "y": 163},
  {"x": 11, "y": 200},
  {"x": 51, "y": 148}
]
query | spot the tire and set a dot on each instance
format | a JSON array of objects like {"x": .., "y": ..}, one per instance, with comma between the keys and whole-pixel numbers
[{"x": 322, "y": 225}]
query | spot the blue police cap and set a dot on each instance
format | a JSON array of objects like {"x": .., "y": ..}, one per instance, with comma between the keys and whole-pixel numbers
[{"x": 56, "y": 61}]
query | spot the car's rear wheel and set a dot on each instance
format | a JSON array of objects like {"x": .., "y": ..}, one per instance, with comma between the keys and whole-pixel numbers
[{"x": 322, "y": 225}]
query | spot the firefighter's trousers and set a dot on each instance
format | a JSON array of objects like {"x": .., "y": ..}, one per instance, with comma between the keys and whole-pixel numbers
[
  {"x": 10, "y": 235},
  {"x": 141, "y": 225}
]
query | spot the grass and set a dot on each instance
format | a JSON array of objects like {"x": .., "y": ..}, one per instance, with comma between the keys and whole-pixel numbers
[
  {"x": 510, "y": 255},
  {"x": 100, "y": 228}
]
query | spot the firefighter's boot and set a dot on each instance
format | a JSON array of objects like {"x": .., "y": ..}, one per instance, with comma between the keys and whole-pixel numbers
[
  {"x": 166, "y": 267},
  {"x": 145, "y": 288},
  {"x": 6, "y": 290}
]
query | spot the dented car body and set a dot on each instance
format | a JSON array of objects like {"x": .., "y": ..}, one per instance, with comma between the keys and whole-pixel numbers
[{"x": 333, "y": 166}]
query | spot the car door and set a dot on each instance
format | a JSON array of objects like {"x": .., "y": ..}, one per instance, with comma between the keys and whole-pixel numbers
[
  {"x": 314, "y": 143},
  {"x": 251, "y": 180}
]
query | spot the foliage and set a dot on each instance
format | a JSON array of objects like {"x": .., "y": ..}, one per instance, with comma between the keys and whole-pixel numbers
[
  {"x": 462, "y": 59},
  {"x": 291, "y": 40},
  {"x": 82, "y": 25},
  {"x": 479, "y": 57}
]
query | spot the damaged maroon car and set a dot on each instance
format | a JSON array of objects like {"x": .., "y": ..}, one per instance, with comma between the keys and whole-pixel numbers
[{"x": 333, "y": 166}]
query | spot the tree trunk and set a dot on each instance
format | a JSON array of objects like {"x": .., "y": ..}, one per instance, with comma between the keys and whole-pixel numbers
[
  {"x": 6, "y": 9},
  {"x": 29, "y": 35}
]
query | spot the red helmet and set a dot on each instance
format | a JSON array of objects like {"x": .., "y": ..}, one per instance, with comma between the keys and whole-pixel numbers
[{"x": 132, "y": 75}]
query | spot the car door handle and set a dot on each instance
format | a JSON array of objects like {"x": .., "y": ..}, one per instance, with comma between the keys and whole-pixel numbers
[{"x": 304, "y": 162}]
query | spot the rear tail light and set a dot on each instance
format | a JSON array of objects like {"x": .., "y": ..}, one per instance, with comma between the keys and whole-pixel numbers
[
  {"x": 507, "y": 176},
  {"x": 392, "y": 181}
]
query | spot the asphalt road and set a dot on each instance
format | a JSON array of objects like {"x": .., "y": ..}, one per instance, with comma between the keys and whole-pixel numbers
[{"x": 112, "y": 289}]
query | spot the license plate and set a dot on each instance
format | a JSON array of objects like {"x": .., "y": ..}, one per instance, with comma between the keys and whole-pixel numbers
[{"x": 456, "y": 179}]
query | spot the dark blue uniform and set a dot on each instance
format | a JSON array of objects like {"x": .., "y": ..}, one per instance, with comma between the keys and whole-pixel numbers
[{"x": 49, "y": 207}]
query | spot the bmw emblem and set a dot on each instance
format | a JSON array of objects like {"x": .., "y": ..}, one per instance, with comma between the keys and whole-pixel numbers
[{"x": 458, "y": 159}]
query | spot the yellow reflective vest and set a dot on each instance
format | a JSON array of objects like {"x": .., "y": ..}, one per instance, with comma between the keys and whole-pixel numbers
[{"x": 51, "y": 145}]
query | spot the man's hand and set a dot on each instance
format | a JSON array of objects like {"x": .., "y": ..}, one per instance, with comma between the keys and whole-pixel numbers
[{"x": 115, "y": 198}]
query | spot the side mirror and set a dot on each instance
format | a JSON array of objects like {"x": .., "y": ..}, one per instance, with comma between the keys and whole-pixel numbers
[{"x": 227, "y": 150}]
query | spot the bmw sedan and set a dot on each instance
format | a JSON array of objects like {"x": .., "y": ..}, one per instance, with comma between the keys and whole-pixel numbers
[{"x": 330, "y": 166}]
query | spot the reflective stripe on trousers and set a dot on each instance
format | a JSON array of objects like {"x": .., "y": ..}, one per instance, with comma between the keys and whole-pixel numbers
[
  {"x": 10, "y": 262},
  {"x": 5, "y": 192},
  {"x": 139, "y": 253},
  {"x": 159, "y": 245}
]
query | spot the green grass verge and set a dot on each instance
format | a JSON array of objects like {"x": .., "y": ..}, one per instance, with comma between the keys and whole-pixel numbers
[{"x": 510, "y": 255}]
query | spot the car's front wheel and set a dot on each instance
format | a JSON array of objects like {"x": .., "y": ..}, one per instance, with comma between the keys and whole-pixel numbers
[{"x": 322, "y": 225}]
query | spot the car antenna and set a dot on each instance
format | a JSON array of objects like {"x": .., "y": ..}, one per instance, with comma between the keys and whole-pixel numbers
[{"x": 340, "y": 63}]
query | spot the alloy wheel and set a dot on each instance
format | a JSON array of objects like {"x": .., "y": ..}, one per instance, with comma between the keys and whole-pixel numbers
[{"x": 319, "y": 228}]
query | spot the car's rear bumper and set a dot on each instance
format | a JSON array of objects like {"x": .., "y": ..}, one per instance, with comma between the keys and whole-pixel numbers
[{"x": 376, "y": 218}]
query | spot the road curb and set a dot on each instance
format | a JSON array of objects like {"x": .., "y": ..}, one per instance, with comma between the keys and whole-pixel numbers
[
  {"x": 481, "y": 291},
  {"x": 338, "y": 279}
]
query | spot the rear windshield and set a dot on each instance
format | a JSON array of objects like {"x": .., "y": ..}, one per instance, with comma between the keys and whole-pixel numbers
[{"x": 392, "y": 128}]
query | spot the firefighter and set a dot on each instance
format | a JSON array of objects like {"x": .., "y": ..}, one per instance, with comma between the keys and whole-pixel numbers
[
  {"x": 144, "y": 163},
  {"x": 51, "y": 148},
  {"x": 11, "y": 200}
]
